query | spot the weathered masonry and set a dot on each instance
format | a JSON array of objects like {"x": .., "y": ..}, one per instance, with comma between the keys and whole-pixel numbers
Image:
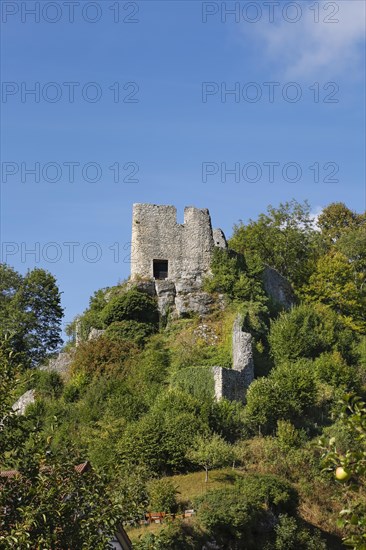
[
  {"x": 165, "y": 249},
  {"x": 170, "y": 259}
]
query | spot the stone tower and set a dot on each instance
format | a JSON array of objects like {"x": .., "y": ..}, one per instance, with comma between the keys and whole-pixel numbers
[
  {"x": 165, "y": 249},
  {"x": 171, "y": 259}
]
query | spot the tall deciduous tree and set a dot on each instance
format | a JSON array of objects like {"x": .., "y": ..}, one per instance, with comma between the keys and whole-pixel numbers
[
  {"x": 337, "y": 284},
  {"x": 31, "y": 312},
  {"x": 284, "y": 239},
  {"x": 336, "y": 219}
]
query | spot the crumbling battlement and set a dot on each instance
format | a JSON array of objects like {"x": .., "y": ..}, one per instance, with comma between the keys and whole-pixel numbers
[{"x": 159, "y": 242}]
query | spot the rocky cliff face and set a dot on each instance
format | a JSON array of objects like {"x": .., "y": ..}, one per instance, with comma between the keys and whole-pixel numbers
[
  {"x": 60, "y": 363},
  {"x": 22, "y": 403},
  {"x": 278, "y": 288}
]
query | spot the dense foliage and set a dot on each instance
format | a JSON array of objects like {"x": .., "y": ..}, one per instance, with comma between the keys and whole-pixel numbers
[
  {"x": 138, "y": 402},
  {"x": 30, "y": 313}
]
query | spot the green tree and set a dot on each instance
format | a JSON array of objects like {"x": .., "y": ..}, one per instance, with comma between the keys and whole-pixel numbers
[
  {"x": 103, "y": 356},
  {"x": 288, "y": 393},
  {"x": 338, "y": 285},
  {"x": 210, "y": 452},
  {"x": 336, "y": 219},
  {"x": 307, "y": 331},
  {"x": 162, "y": 495},
  {"x": 31, "y": 312},
  {"x": 284, "y": 238}
]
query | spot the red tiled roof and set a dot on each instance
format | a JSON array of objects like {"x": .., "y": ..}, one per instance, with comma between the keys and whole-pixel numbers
[{"x": 83, "y": 467}]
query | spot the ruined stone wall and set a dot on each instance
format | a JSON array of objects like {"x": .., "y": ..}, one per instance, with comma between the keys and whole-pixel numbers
[
  {"x": 156, "y": 235},
  {"x": 233, "y": 383}
]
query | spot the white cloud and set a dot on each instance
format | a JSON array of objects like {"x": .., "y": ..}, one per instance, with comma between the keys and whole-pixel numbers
[
  {"x": 308, "y": 48},
  {"x": 314, "y": 215}
]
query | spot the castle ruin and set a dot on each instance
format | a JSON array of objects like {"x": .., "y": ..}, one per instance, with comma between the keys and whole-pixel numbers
[
  {"x": 170, "y": 260},
  {"x": 164, "y": 249}
]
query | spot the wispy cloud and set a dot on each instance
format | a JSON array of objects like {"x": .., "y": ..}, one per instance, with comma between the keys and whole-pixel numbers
[
  {"x": 314, "y": 215},
  {"x": 309, "y": 48}
]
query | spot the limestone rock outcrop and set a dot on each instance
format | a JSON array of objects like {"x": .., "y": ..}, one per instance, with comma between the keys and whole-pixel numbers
[
  {"x": 278, "y": 287},
  {"x": 24, "y": 400},
  {"x": 60, "y": 363}
]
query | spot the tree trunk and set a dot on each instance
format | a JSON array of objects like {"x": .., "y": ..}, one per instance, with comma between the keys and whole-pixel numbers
[{"x": 206, "y": 476}]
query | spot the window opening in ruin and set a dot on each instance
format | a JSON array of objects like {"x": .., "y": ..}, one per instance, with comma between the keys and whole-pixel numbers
[{"x": 160, "y": 269}]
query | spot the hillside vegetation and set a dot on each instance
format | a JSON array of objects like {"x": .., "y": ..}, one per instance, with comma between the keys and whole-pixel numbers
[{"x": 284, "y": 470}]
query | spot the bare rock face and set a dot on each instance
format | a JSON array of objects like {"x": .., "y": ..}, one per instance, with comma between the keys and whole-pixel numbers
[
  {"x": 278, "y": 288},
  {"x": 196, "y": 301},
  {"x": 166, "y": 293},
  {"x": 24, "y": 400},
  {"x": 95, "y": 333},
  {"x": 60, "y": 363}
]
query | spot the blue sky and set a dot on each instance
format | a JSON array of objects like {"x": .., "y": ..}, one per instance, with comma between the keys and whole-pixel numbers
[{"x": 146, "y": 89}]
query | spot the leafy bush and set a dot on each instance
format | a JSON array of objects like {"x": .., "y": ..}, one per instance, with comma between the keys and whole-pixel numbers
[
  {"x": 75, "y": 386},
  {"x": 229, "y": 518},
  {"x": 226, "y": 419},
  {"x": 162, "y": 495},
  {"x": 290, "y": 535},
  {"x": 101, "y": 356},
  {"x": 131, "y": 306},
  {"x": 230, "y": 276},
  {"x": 271, "y": 491},
  {"x": 247, "y": 511},
  {"x": 288, "y": 437},
  {"x": 332, "y": 368},
  {"x": 176, "y": 536},
  {"x": 288, "y": 393},
  {"x": 148, "y": 373},
  {"x": 132, "y": 331},
  {"x": 308, "y": 331},
  {"x": 161, "y": 438},
  {"x": 48, "y": 384}
]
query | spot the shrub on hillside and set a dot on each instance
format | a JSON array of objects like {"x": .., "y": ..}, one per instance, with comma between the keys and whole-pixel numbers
[
  {"x": 162, "y": 495},
  {"x": 270, "y": 491},
  {"x": 246, "y": 513},
  {"x": 132, "y": 331},
  {"x": 161, "y": 438},
  {"x": 290, "y": 535},
  {"x": 47, "y": 384},
  {"x": 308, "y": 331},
  {"x": 130, "y": 306},
  {"x": 332, "y": 369},
  {"x": 288, "y": 393},
  {"x": 176, "y": 536},
  {"x": 102, "y": 356}
]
